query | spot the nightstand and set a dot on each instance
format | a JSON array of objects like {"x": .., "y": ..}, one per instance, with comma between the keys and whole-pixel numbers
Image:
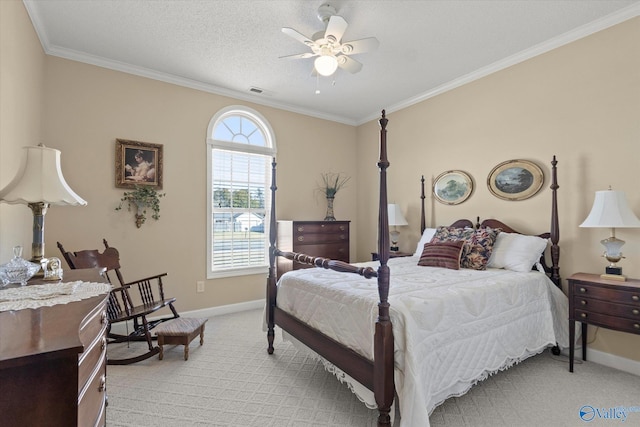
[
  {"x": 392, "y": 254},
  {"x": 609, "y": 304}
]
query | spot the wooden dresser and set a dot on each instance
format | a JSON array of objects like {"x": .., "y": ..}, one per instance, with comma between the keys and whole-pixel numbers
[
  {"x": 53, "y": 362},
  {"x": 328, "y": 239},
  {"x": 600, "y": 302}
]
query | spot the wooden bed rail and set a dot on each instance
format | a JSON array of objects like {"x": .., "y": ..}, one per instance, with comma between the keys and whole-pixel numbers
[{"x": 329, "y": 264}]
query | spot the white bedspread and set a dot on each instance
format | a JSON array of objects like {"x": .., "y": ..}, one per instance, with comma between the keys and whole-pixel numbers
[{"x": 451, "y": 328}]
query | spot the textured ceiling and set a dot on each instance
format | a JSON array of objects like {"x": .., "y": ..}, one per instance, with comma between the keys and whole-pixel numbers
[{"x": 230, "y": 46}]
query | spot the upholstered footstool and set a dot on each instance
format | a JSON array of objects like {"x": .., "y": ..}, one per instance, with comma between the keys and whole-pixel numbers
[{"x": 180, "y": 331}]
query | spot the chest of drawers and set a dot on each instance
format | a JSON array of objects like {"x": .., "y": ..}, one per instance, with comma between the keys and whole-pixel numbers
[
  {"x": 606, "y": 303},
  {"x": 52, "y": 362},
  {"x": 327, "y": 239}
]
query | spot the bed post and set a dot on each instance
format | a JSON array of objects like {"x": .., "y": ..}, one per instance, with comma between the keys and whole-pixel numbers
[
  {"x": 383, "y": 386},
  {"x": 555, "y": 226},
  {"x": 423, "y": 214},
  {"x": 271, "y": 278}
]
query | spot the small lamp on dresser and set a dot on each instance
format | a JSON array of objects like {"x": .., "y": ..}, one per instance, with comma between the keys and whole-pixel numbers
[
  {"x": 395, "y": 218},
  {"x": 611, "y": 210},
  {"x": 39, "y": 184}
]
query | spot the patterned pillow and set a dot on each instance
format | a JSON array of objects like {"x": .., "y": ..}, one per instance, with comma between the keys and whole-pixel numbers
[
  {"x": 480, "y": 248},
  {"x": 445, "y": 254},
  {"x": 478, "y": 244}
]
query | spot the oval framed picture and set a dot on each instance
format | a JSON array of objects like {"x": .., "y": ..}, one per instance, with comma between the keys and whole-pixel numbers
[
  {"x": 515, "y": 180},
  {"x": 452, "y": 187}
]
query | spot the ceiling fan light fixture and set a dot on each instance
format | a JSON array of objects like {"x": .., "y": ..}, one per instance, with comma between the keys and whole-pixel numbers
[{"x": 326, "y": 65}]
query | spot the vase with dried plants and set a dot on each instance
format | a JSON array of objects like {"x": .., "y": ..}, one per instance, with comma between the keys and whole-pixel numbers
[{"x": 331, "y": 184}]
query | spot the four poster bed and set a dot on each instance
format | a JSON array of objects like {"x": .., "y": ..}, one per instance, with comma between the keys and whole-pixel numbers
[{"x": 433, "y": 331}]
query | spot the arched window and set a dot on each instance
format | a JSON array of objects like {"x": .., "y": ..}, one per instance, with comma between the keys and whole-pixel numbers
[{"x": 240, "y": 149}]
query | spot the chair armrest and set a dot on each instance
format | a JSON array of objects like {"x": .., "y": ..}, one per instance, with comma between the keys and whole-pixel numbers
[{"x": 146, "y": 279}]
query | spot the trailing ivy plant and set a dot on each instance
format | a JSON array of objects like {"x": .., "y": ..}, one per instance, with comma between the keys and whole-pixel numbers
[{"x": 142, "y": 197}]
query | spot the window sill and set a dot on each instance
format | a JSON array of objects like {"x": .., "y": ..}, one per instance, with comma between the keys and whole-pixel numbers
[{"x": 244, "y": 271}]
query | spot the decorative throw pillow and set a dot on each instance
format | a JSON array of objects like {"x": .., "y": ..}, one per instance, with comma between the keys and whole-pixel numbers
[
  {"x": 516, "y": 252},
  {"x": 453, "y": 234},
  {"x": 445, "y": 254},
  {"x": 480, "y": 247},
  {"x": 478, "y": 244},
  {"x": 427, "y": 235}
]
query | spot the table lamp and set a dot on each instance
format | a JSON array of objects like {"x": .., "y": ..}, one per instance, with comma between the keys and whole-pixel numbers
[
  {"x": 611, "y": 210},
  {"x": 395, "y": 218},
  {"x": 38, "y": 184}
]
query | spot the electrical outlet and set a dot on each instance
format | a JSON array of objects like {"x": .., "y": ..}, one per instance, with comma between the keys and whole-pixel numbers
[{"x": 199, "y": 286}]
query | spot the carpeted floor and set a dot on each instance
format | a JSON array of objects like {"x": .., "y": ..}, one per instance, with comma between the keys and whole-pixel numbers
[{"x": 232, "y": 381}]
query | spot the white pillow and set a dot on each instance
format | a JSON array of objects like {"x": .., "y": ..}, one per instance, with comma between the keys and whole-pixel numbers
[
  {"x": 427, "y": 235},
  {"x": 516, "y": 252}
]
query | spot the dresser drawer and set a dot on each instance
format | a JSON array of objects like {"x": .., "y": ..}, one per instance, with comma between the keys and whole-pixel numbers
[
  {"x": 630, "y": 296},
  {"x": 607, "y": 321},
  {"x": 92, "y": 357},
  {"x": 610, "y": 308},
  {"x": 336, "y": 251},
  {"x": 91, "y": 399},
  {"x": 315, "y": 238},
  {"x": 321, "y": 227},
  {"x": 93, "y": 324}
]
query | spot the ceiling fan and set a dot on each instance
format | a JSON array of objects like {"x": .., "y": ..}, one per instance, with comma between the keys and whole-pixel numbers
[{"x": 328, "y": 47}]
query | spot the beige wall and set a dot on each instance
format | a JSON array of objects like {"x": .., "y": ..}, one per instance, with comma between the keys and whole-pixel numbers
[
  {"x": 87, "y": 108},
  {"x": 580, "y": 102},
  {"x": 21, "y": 95}
]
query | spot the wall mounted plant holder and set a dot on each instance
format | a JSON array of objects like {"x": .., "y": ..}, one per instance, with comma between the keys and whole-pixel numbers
[{"x": 142, "y": 198}]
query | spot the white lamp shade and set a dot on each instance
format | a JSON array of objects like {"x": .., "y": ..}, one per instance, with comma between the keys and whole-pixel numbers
[
  {"x": 395, "y": 215},
  {"x": 326, "y": 65},
  {"x": 40, "y": 179},
  {"x": 611, "y": 210}
]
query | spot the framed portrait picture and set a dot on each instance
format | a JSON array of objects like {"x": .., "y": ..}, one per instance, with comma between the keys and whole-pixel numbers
[
  {"x": 452, "y": 187},
  {"x": 138, "y": 163},
  {"x": 515, "y": 180}
]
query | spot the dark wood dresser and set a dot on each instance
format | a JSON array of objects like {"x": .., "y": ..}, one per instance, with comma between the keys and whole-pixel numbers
[
  {"x": 53, "y": 362},
  {"x": 609, "y": 304},
  {"x": 327, "y": 239}
]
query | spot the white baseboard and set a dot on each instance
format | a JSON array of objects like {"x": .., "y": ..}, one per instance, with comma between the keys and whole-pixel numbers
[
  {"x": 121, "y": 328},
  {"x": 612, "y": 361}
]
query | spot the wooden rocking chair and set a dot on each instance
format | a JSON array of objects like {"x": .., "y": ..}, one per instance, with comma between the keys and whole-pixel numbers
[{"x": 121, "y": 306}]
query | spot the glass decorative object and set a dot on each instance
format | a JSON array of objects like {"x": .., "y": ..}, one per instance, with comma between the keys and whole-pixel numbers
[{"x": 18, "y": 270}]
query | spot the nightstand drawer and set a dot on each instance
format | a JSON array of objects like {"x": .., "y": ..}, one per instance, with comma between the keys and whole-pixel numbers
[
  {"x": 611, "y": 308},
  {"x": 606, "y": 321},
  {"x": 607, "y": 294}
]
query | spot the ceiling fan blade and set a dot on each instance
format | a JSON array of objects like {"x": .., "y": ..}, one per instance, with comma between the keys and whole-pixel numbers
[
  {"x": 296, "y": 35},
  {"x": 299, "y": 56},
  {"x": 336, "y": 27},
  {"x": 360, "y": 46},
  {"x": 348, "y": 64}
]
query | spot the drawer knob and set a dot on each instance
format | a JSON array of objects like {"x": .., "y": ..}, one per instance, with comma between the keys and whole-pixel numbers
[
  {"x": 635, "y": 297},
  {"x": 103, "y": 344},
  {"x": 635, "y": 311},
  {"x": 301, "y": 238},
  {"x": 583, "y": 315},
  {"x": 300, "y": 228},
  {"x": 583, "y": 302},
  {"x": 583, "y": 290},
  {"x": 103, "y": 384},
  {"x": 342, "y": 237},
  {"x": 342, "y": 228},
  {"x": 103, "y": 318},
  {"x": 636, "y": 325}
]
